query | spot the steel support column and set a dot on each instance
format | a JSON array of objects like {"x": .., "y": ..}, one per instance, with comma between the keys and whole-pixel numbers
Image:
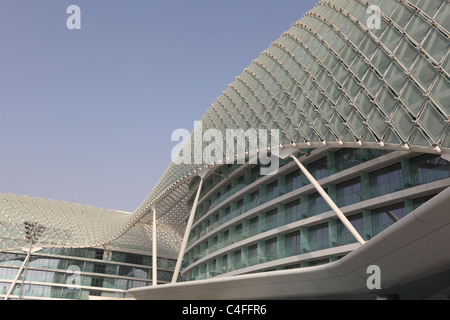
[{"x": 202, "y": 174}]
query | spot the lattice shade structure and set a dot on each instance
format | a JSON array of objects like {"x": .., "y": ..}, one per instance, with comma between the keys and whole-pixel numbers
[
  {"x": 76, "y": 226},
  {"x": 328, "y": 81}
]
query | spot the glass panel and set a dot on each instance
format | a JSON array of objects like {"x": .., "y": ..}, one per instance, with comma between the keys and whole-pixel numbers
[
  {"x": 368, "y": 47},
  {"x": 359, "y": 67},
  {"x": 343, "y": 106},
  {"x": 348, "y": 192},
  {"x": 401, "y": 16},
  {"x": 386, "y": 180},
  {"x": 347, "y": 158},
  {"x": 406, "y": 53},
  {"x": 386, "y": 101},
  {"x": 292, "y": 244},
  {"x": 442, "y": 16},
  {"x": 318, "y": 237},
  {"x": 385, "y": 217},
  {"x": 363, "y": 104},
  {"x": 271, "y": 249},
  {"x": 396, "y": 77},
  {"x": 402, "y": 122},
  {"x": 372, "y": 82},
  {"x": 292, "y": 211},
  {"x": 413, "y": 98},
  {"x": 440, "y": 93},
  {"x": 391, "y": 38},
  {"x": 417, "y": 28},
  {"x": 316, "y": 204},
  {"x": 424, "y": 72},
  {"x": 355, "y": 124},
  {"x": 432, "y": 122},
  {"x": 428, "y": 168},
  {"x": 318, "y": 169},
  {"x": 436, "y": 45},
  {"x": 430, "y": 6},
  {"x": 381, "y": 61},
  {"x": 344, "y": 236}
]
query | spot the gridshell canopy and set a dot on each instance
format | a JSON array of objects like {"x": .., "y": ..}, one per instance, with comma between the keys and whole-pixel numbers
[
  {"x": 345, "y": 75},
  {"x": 336, "y": 79},
  {"x": 74, "y": 225}
]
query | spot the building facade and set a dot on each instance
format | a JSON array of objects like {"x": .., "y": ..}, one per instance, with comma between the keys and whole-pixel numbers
[
  {"x": 355, "y": 97},
  {"x": 72, "y": 257},
  {"x": 79, "y": 274},
  {"x": 248, "y": 223}
]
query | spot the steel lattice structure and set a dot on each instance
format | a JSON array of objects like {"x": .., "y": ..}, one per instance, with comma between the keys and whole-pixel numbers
[{"x": 329, "y": 81}]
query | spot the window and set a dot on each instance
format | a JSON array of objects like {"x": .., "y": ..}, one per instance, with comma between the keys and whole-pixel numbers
[
  {"x": 292, "y": 211},
  {"x": 213, "y": 267},
  {"x": 347, "y": 158},
  {"x": 385, "y": 217},
  {"x": 240, "y": 206},
  {"x": 215, "y": 241},
  {"x": 254, "y": 173},
  {"x": 293, "y": 181},
  {"x": 318, "y": 262},
  {"x": 271, "y": 219},
  {"x": 99, "y": 254},
  {"x": 427, "y": 168},
  {"x": 348, "y": 192},
  {"x": 420, "y": 201},
  {"x": 238, "y": 234},
  {"x": 318, "y": 237},
  {"x": 237, "y": 259},
  {"x": 227, "y": 211},
  {"x": 99, "y": 268},
  {"x": 319, "y": 169},
  {"x": 225, "y": 263},
  {"x": 386, "y": 180},
  {"x": 97, "y": 282},
  {"x": 226, "y": 235},
  {"x": 344, "y": 235},
  {"x": 252, "y": 254},
  {"x": 271, "y": 249},
  {"x": 272, "y": 191},
  {"x": 241, "y": 180},
  {"x": 253, "y": 226},
  {"x": 134, "y": 258},
  {"x": 316, "y": 204},
  {"x": 254, "y": 200},
  {"x": 292, "y": 243}
]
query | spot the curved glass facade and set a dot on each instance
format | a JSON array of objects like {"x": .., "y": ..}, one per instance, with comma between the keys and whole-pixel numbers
[
  {"x": 346, "y": 75},
  {"x": 80, "y": 273},
  {"x": 249, "y": 223}
]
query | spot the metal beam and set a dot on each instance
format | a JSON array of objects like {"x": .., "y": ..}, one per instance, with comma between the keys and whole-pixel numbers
[{"x": 202, "y": 174}]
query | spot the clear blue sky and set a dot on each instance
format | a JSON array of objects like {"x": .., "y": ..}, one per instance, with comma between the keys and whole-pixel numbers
[{"x": 86, "y": 115}]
